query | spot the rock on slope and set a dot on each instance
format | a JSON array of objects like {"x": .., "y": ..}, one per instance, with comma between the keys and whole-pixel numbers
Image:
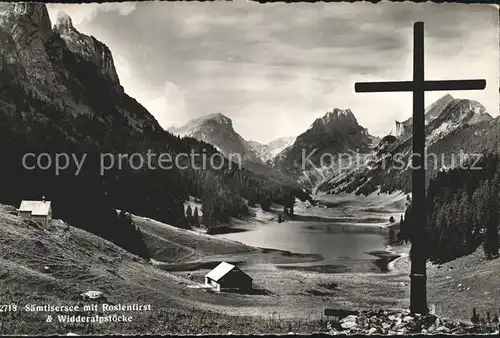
[{"x": 402, "y": 322}]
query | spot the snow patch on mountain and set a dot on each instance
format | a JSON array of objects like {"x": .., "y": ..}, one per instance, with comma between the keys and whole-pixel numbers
[
  {"x": 267, "y": 152},
  {"x": 457, "y": 114},
  {"x": 404, "y": 129}
]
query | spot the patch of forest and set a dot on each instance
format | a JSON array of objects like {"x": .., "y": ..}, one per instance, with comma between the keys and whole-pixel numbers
[{"x": 462, "y": 211}]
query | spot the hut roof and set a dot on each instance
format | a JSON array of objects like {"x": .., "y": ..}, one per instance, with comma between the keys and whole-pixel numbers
[{"x": 37, "y": 208}]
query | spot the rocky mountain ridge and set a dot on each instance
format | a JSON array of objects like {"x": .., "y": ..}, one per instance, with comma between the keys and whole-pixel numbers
[
  {"x": 404, "y": 129},
  {"x": 461, "y": 126},
  {"x": 337, "y": 132},
  {"x": 86, "y": 46},
  {"x": 28, "y": 28},
  {"x": 217, "y": 130},
  {"x": 45, "y": 60}
]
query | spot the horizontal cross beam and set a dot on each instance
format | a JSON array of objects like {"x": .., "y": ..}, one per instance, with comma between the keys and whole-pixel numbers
[
  {"x": 408, "y": 86},
  {"x": 455, "y": 85}
]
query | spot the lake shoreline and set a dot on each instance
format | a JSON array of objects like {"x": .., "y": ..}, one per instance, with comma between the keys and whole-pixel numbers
[{"x": 299, "y": 285}]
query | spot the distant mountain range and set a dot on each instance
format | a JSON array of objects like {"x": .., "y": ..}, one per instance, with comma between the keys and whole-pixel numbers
[
  {"x": 59, "y": 91},
  {"x": 267, "y": 152},
  {"x": 453, "y": 126},
  {"x": 218, "y": 130},
  {"x": 338, "y": 132}
]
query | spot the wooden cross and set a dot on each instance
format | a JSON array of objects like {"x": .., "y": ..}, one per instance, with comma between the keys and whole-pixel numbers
[{"x": 418, "y": 292}]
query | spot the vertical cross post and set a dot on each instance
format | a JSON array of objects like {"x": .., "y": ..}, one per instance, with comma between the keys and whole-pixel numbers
[{"x": 418, "y": 292}]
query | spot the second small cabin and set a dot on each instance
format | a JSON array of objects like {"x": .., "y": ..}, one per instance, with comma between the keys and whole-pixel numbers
[{"x": 40, "y": 211}]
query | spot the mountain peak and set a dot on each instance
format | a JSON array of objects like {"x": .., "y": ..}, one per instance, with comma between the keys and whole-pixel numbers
[
  {"x": 87, "y": 47},
  {"x": 217, "y": 129},
  {"x": 338, "y": 117},
  {"x": 63, "y": 22},
  {"x": 37, "y": 14},
  {"x": 35, "y": 10},
  {"x": 433, "y": 111},
  {"x": 267, "y": 152},
  {"x": 447, "y": 97},
  {"x": 219, "y": 118},
  {"x": 404, "y": 129},
  {"x": 336, "y": 113},
  {"x": 210, "y": 120}
]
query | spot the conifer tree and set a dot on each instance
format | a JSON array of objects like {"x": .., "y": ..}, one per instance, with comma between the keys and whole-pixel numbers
[
  {"x": 196, "y": 217},
  {"x": 490, "y": 243},
  {"x": 189, "y": 216}
]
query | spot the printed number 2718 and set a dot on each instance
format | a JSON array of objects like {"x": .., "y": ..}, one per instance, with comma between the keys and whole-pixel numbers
[{"x": 8, "y": 308}]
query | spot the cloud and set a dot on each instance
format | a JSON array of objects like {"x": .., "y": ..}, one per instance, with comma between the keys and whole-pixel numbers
[
  {"x": 168, "y": 105},
  {"x": 273, "y": 68}
]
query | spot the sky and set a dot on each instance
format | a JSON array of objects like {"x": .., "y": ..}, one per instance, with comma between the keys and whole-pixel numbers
[{"x": 275, "y": 68}]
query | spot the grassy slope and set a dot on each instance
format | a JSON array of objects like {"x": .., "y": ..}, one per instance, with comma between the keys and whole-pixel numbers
[
  {"x": 370, "y": 209},
  {"x": 170, "y": 244},
  {"x": 78, "y": 261},
  {"x": 475, "y": 273},
  {"x": 480, "y": 276}
]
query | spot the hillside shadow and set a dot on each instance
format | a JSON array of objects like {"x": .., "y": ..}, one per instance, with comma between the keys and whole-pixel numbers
[
  {"x": 254, "y": 291},
  {"x": 224, "y": 230}
]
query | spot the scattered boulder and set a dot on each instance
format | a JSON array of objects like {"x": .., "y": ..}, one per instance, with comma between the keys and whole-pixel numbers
[
  {"x": 443, "y": 329},
  {"x": 397, "y": 322},
  {"x": 350, "y": 318},
  {"x": 407, "y": 319},
  {"x": 92, "y": 295},
  {"x": 349, "y": 325}
]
